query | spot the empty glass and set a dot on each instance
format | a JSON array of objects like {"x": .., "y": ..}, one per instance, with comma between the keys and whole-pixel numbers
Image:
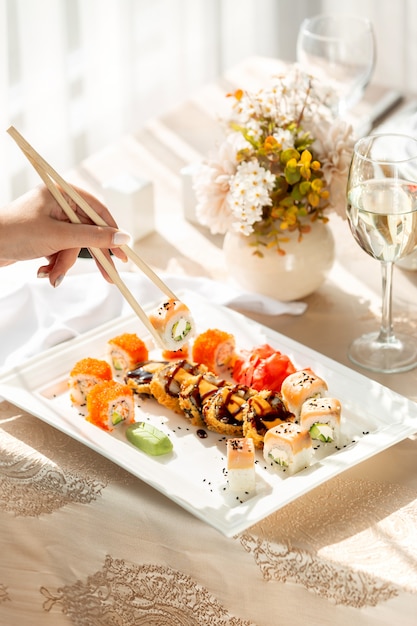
[{"x": 340, "y": 51}]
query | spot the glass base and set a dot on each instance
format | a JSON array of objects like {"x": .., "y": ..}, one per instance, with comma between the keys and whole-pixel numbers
[{"x": 397, "y": 355}]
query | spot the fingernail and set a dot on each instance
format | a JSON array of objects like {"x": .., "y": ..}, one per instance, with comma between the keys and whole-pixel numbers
[
  {"x": 42, "y": 274},
  {"x": 120, "y": 238},
  {"x": 59, "y": 280}
]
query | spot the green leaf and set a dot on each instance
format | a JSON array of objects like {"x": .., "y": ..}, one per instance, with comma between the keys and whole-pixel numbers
[
  {"x": 287, "y": 202},
  {"x": 292, "y": 175},
  {"x": 287, "y": 155},
  {"x": 296, "y": 194}
]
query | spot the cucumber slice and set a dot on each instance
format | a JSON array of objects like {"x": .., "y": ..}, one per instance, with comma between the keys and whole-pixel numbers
[
  {"x": 322, "y": 432},
  {"x": 180, "y": 329},
  {"x": 149, "y": 439},
  {"x": 278, "y": 460},
  {"x": 116, "y": 418},
  {"x": 117, "y": 364}
]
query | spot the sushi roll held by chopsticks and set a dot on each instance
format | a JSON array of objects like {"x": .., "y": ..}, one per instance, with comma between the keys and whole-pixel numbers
[{"x": 173, "y": 324}]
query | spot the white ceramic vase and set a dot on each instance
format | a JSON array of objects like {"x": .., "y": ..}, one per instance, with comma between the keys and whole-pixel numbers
[{"x": 298, "y": 273}]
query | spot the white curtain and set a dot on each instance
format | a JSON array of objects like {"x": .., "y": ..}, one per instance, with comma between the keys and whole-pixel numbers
[
  {"x": 76, "y": 74},
  {"x": 395, "y": 25}
]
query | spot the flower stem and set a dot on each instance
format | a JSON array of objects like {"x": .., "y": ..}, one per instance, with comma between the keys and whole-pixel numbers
[{"x": 307, "y": 95}]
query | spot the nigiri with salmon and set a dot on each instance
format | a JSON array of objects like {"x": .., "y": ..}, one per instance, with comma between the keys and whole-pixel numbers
[{"x": 241, "y": 464}]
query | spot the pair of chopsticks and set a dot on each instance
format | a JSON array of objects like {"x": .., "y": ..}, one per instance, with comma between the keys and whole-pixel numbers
[{"x": 51, "y": 178}]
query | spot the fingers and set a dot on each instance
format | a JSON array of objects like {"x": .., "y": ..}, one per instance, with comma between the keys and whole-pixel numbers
[
  {"x": 118, "y": 252},
  {"x": 91, "y": 236},
  {"x": 58, "y": 266},
  {"x": 60, "y": 263},
  {"x": 87, "y": 235},
  {"x": 72, "y": 237}
]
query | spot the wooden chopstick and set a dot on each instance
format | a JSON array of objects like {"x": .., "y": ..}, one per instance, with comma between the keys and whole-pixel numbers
[
  {"x": 35, "y": 157},
  {"x": 45, "y": 172}
]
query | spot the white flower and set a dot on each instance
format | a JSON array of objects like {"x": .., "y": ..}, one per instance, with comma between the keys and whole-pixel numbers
[
  {"x": 334, "y": 144},
  {"x": 285, "y": 159},
  {"x": 212, "y": 184},
  {"x": 284, "y": 137},
  {"x": 249, "y": 190}
]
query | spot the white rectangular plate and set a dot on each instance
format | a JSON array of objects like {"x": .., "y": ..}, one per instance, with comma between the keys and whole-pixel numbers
[{"x": 193, "y": 476}]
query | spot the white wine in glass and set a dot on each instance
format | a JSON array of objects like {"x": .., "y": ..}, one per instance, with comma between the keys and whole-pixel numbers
[
  {"x": 339, "y": 50},
  {"x": 382, "y": 215}
]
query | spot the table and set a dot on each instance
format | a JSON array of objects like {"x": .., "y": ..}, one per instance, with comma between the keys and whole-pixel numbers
[{"x": 83, "y": 542}]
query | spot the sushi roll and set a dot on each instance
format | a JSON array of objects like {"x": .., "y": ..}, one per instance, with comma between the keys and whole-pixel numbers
[
  {"x": 140, "y": 378},
  {"x": 288, "y": 446},
  {"x": 216, "y": 349},
  {"x": 195, "y": 393},
  {"x": 173, "y": 324},
  {"x": 301, "y": 386},
  {"x": 84, "y": 375},
  {"x": 241, "y": 464},
  {"x": 264, "y": 410},
  {"x": 109, "y": 403},
  {"x": 223, "y": 411},
  {"x": 125, "y": 351},
  {"x": 321, "y": 417},
  {"x": 166, "y": 383}
]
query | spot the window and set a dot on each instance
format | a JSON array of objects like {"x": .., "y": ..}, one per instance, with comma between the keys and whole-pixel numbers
[{"x": 77, "y": 74}]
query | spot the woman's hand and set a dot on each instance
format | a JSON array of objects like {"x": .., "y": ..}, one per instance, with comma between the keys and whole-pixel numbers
[{"x": 35, "y": 226}]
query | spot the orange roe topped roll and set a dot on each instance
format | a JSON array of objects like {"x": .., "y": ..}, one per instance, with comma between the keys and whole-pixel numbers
[
  {"x": 215, "y": 349},
  {"x": 84, "y": 375},
  {"x": 110, "y": 403},
  {"x": 125, "y": 352}
]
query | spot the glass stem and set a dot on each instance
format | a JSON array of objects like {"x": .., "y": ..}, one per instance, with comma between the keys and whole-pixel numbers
[{"x": 386, "y": 333}]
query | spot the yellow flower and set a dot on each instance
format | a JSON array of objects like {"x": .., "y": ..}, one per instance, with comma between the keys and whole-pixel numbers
[{"x": 289, "y": 162}]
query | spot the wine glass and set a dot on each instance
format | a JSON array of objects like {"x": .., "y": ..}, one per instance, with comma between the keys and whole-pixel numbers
[
  {"x": 339, "y": 50},
  {"x": 382, "y": 215}
]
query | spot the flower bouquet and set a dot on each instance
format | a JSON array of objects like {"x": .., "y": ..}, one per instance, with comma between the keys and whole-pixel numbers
[{"x": 283, "y": 163}]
